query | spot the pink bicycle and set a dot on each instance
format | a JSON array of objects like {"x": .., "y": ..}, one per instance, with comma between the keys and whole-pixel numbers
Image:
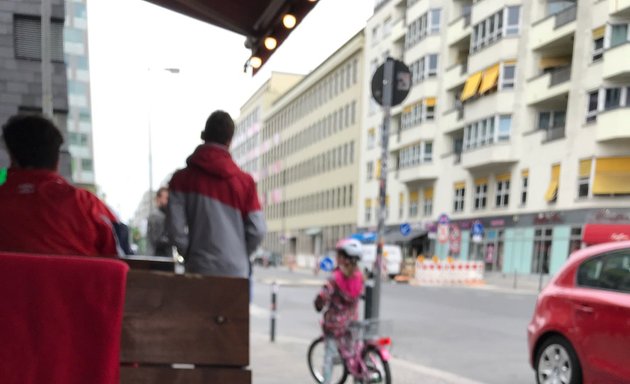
[{"x": 364, "y": 356}]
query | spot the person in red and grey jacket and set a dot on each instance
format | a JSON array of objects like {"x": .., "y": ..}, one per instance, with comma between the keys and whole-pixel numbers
[
  {"x": 42, "y": 213},
  {"x": 214, "y": 216}
]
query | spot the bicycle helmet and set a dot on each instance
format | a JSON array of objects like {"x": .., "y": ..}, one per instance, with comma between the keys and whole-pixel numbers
[{"x": 351, "y": 248}]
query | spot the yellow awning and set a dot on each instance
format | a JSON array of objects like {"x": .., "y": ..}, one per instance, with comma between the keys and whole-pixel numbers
[
  {"x": 408, "y": 109},
  {"x": 598, "y": 33},
  {"x": 509, "y": 62},
  {"x": 471, "y": 86},
  {"x": 428, "y": 193},
  {"x": 504, "y": 177},
  {"x": 460, "y": 185},
  {"x": 490, "y": 78},
  {"x": 430, "y": 101},
  {"x": 372, "y": 131},
  {"x": 413, "y": 196},
  {"x": 481, "y": 181},
  {"x": 552, "y": 191},
  {"x": 585, "y": 168},
  {"x": 401, "y": 197},
  {"x": 368, "y": 203},
  {"x": 555, "y": 172},
  {"x": 377, "y": 171},
  {"x": 554, "y": 62},
  {"x": 525, "y": 173},
  {"x": 612, "y": 176}
]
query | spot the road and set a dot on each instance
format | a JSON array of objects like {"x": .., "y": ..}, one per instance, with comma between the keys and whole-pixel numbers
[{"x": 459, "y": 333}]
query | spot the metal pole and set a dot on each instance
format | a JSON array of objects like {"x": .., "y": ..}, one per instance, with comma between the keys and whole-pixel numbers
[
  {"x": 388, "y": 88},
  {"x": 149, "y": 134},
  {"x": 274, "y": 309},
  {"x": 47, "y": 95}
]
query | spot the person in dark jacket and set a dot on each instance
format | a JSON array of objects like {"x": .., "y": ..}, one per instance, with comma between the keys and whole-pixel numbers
[
  {"x": 214, "y": 216},
  {"x": 158, "y": 243}
]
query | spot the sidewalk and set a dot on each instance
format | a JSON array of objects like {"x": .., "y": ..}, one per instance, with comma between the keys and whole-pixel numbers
[{"x": 284, "y": 362}]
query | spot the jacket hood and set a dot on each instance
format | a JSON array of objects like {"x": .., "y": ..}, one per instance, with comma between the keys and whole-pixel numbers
[{"x": 213, "y": 159}]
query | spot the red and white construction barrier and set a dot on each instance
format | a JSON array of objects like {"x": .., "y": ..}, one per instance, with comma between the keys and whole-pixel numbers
[{"x": 443, "y": 272}]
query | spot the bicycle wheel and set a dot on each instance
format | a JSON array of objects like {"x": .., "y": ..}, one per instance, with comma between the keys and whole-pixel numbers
[
  {"x": 378, "y": 369},
  {"x": 316, "y": 363}
]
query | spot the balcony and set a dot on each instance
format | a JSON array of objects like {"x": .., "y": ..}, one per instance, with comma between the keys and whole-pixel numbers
[
  {"x": 616, "y": 63},
  {"x": 452, "y": 120},
  {"x": 496, "y": 155},
  {"x": 550, "y": 86},
  {"x": 554, "y": 133},
  {"x": 455, "y": 76},
  {"x": 398, "y": 31},
  {"x": 613, "y": 125},
  {"x": 426, "y": 131},
  {"x": 555, "y": 30},
  {"x": 419, "y": 173},
  {"x": 459, "y": 30},
  {"x": 619, "y": 8}
]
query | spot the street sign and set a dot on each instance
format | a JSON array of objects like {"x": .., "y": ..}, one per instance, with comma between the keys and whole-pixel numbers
[
  {"x": 326, "y": 264},
  {"x": 455, "y": 240},
  {"x": 405, "y": 229},
  {"x": 401, "y": 81},
  {"x": 442, "y": 233},
  {"x": 443, "y": 219},
  {"x": 477, "y": 232}
]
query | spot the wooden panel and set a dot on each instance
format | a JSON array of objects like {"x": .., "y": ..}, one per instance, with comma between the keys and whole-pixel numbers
[
  {"x": 158, "y": 375},
  {"x": 185, "y": 319},
  {"x": 152, "y": 263}
]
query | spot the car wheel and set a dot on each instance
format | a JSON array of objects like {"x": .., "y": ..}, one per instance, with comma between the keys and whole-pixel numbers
[{"x": 557, "y": 363}]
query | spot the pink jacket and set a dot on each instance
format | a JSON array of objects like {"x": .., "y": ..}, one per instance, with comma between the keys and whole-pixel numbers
[{"x": 340, "y": 296}]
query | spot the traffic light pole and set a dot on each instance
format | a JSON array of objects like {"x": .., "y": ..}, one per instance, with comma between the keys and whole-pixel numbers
[{"x": 388, "y": 89}]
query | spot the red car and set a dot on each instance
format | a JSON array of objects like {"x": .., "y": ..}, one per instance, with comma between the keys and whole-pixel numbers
[{"x": 580, "y": 331}]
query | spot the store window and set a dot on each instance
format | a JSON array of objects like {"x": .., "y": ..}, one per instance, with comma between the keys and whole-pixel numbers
[
  {"x": 575, "y": 241},
  {"x": 542, "y": 250}
]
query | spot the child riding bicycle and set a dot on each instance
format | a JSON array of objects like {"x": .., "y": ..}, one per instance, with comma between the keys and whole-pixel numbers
[{"x": 340, "y": 297}]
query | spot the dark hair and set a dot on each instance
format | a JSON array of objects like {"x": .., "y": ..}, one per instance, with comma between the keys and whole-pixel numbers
[
  {"x": 160, "y": 191},
  {"x": 219, "y": 128},
  {"x": 33, "y": 141}
]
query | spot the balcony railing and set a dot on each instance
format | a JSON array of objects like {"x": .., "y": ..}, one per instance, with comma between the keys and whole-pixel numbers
[
  {"x": 554, "y": 133},
  {"x": 559, "y": 76},
  {"x": 566, "y": 16}
]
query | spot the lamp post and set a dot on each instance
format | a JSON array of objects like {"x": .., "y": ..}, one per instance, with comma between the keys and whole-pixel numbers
[{"x": 150, "y": 136}]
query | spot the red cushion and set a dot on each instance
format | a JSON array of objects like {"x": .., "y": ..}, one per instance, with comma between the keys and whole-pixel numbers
[{"x": 60, "y": 319}]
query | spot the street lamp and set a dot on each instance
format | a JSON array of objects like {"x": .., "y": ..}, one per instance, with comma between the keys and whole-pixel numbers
[{"x": 173, "y": 71}]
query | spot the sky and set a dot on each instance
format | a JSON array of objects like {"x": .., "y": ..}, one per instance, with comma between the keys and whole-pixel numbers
[{"x": 131, "y": 42}]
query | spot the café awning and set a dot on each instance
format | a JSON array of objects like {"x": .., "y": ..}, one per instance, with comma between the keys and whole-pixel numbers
[
  {"x": 604, "y": 233},
  {"x": 255, "y": 19}
]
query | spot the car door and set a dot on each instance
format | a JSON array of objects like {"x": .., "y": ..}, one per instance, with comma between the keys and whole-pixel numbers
[{"x": 601, "y": 310}]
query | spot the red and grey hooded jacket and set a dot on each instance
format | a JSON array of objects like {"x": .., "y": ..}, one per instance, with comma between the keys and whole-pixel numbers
[
  {"x": 214, "y": 216},
  {"x": 41, "y": 213}
]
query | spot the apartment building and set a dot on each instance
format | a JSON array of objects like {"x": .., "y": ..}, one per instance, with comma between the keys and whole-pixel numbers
[
  {"x": 20, "y": 63},
  {"x": 247, "y": 145},
  {"x": 515, "y": 122},
  {"x": 309, "y": 172},
  {"x": 79, "y": 118}
]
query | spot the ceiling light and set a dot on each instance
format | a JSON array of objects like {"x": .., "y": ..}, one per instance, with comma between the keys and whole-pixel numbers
[
  {"x": 289, "y": 21},
  {"x": 271, "y": 43},
  {"x": 255, "y": 62}
]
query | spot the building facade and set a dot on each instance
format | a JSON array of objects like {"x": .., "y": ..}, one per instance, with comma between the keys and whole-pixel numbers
[
  {"x": 309, "y": 165},
  {"x": 247, "y": 145},
  {"x": 20, "y": 66},
  {"x": 515, "y": 121},
  {"x": 79, "y": 119}
]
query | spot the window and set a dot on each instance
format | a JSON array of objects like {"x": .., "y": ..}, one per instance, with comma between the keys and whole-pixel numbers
[
  {"x": 481, "y": 195},
  {"x": 507, "y": 76},
  {"x": 371, "y": 139},
  {"x": 433, "y": 64},
  {"x": 593, "y": 98},
  {"x": 435, "y": 21},
  {"x": 598, "y": 48},
  {"x": 505, "y": 127},
  {"x": 427, "y": 208},
  {"x": 542, "y": 250},
  {"x": 401, "y": 206},
  {"x": 375, "y": 34},
  {"x": 503, "y": 193},
  {"x": 575, "y": 241},
  {"x": 27, "y": 38},
  {"x": 513, "y": 20},
  {"x": 584, "y": 177},
  {"x": 387, "y": 27},
  {"x": 524, "y": 185},
  {"x": 368, "y": 210},
  {"x": 618, "y": 34},
  {"x": 370, "y": 170},
  {"x": 612, "y": 98},
  {"x": 427, "y": 155},
  {"x": 460, "y": 195},
  {"x": 610, "y": 271},
  {"x": 413, "y": 204},
  {"x": 86, "y": 165}
]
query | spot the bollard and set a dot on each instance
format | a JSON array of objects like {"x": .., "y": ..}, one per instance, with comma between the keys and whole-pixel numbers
[
  {"x": 369, "y": 287},
  {"x": 274, "y": 308}
]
